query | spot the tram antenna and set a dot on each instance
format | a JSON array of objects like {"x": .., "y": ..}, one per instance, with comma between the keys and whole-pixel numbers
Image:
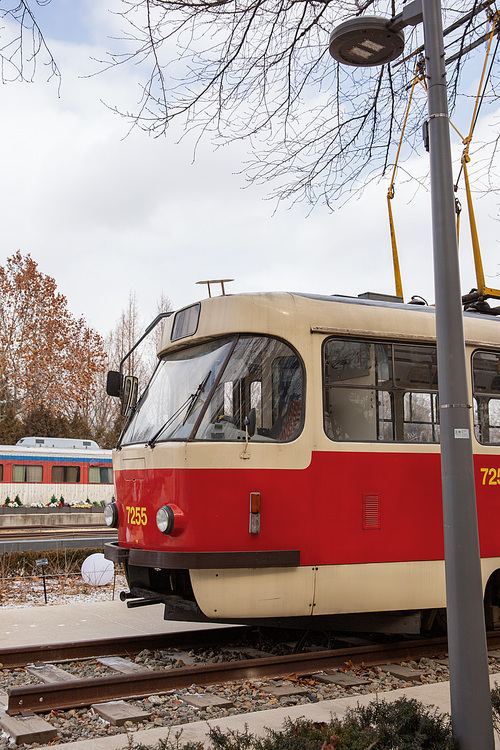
[{"x": 215, "y": 281}]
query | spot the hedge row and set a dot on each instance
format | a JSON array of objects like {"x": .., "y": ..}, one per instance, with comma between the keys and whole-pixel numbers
[
  {"x": 63, "y": 561},
  {"x": 404, "y": 724}
]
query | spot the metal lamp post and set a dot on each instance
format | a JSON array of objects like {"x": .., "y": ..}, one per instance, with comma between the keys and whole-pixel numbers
[{"x": 375, "y": 41}]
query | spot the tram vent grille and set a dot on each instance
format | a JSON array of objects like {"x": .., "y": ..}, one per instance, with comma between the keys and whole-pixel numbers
[{"x": 371, "y": 511}]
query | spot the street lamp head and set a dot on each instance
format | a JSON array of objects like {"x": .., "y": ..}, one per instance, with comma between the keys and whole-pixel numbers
[{"x": 366, "y": 41}]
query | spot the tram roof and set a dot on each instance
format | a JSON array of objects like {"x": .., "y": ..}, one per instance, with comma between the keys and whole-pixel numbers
[
  {"x": 372, "y": 301},
  {"x": 294, "y": 315},
  {"x": 54, "y": 454}
]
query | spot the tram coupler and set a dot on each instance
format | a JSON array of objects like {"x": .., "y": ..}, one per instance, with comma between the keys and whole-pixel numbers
[
  {"x": 143, "y": 602},
  {"x": 124, "y": 595}
]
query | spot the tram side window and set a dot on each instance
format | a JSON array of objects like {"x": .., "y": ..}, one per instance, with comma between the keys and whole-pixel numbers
[
  {"x": 486, "y": 385},
  {"x": 27, "y": 473},
  {"x": 65, "y": 474},
  {"x": 100, "y": 475},
  {"x": 421, "y": 418},
  {"x": 415, "y": 376},
  {"x": 380, "y": 391}
]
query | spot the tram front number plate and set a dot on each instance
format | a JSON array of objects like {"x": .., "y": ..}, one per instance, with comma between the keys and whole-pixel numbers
[{"x": 136, "y": 516}]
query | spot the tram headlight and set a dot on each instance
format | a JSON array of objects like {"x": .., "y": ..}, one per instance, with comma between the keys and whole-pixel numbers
[
  {"x": 111, "y": 515},
  {"x": 165, "y": 519}
]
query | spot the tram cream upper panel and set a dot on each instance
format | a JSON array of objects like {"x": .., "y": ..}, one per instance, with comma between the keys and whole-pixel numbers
[
  {"x": 304, "y": 322},
  {"x": 279, "y": 314},
  {"x": 200, "y": 455},
  {"x": 294, "y": 317}
]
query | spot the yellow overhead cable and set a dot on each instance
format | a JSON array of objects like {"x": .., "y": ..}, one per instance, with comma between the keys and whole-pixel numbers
[
  {"x": 419, "y": 77},
  {"x": 482, "y": 289}
]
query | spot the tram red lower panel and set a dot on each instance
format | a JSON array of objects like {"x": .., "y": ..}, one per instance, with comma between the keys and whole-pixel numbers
[{"x": 343, "y": 508}]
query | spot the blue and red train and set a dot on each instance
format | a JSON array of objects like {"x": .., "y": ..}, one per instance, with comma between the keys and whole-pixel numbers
[{"x": 39, "y": 468}]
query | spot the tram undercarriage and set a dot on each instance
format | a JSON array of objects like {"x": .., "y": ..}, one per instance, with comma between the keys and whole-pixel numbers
[{"x": 173, "y": 589}]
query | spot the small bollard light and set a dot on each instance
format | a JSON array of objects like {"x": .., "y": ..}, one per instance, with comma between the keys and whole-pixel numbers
[{"x": 42, "y": 562}]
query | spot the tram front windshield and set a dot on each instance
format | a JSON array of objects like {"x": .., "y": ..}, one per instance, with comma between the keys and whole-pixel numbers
[{"x": 207, "y": 391}]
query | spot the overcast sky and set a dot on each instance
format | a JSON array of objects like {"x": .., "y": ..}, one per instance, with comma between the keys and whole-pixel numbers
[{"x": 106, "y": 213}]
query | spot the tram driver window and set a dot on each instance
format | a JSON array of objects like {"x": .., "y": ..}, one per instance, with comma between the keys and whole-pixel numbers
[
  {"x": 262, "y": 374},
  {"x": 486, "y": 384},
  {"x": 378, "y": 391},
  {"x": 207, "y": 391}
]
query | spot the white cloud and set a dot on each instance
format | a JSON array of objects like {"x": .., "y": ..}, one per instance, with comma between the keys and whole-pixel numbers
[{"x": 105, "y": 214}]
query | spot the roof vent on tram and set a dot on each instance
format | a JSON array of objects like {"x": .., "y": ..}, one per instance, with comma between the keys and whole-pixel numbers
[{"x": 376, "y": 297}]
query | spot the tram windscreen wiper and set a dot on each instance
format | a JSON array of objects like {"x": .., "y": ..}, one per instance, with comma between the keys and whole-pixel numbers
[{"x": 188, "y": 404}]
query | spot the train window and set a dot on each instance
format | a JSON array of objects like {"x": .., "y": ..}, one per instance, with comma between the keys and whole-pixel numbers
[
  {"x": 385, "y": 426},
  {"x": 420, "y": 418},
  {"x": 185, "y": 322},
  {"x": 65, "y": 474},
  {"x": 264, "y": 374},
  {"x": 256, "y": 400},
  {"x": 100, "y": 475},
  {"x": 363, "y": 414},
  {"x": 205, "y": 392},
  {"x": 1, "y": 472},
  {"x": 380, "y": 391},
  {"x": 27, "y": 473},
  {"x": 415, "y": 367},
  {"x": 228, "y": 400},
  {"x": 486, "y": 384},
  {"x": 171, "y": 405},
  {"x": 357, "y": 362}
]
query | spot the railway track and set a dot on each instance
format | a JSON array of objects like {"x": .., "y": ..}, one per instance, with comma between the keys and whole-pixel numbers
[
  {"x": 19, "y": 657},
  {"x": 55, "y": 708},
  {"x": 45, "y": 538},
  {"x": 140, "y": 682},
  {"x": 53, "y": 532}
]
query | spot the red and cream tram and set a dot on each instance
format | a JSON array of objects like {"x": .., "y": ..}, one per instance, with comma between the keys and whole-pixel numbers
[{"x": 283, "y": 464}]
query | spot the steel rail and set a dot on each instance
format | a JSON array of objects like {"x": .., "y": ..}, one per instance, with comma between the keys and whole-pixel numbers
[
  {"x": 52, "y": 542},
  {"x": 17, "y": 657},
  {"x": 79, "y": 693},
  {"x": 18, "y": 532}
]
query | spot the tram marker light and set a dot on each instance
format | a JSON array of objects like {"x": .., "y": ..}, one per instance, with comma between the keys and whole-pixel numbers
[
  {"x": 111, "y": 515},
  {"x": 254, "y": 522},
  {"x": 165, "y": 520},
  {"x": 255, "y": 502}
]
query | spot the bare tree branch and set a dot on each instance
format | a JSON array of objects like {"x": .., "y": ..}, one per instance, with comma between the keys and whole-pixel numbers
[
  {"x": 259, "y": 70},
  {"x": 22, "y": 43}
]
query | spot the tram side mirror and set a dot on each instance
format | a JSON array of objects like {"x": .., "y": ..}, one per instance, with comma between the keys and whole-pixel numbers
[
  {"x": 250, "y": 422},
  {"x": 129, "y": 397},
  {"x": 113, "y": 383}
]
